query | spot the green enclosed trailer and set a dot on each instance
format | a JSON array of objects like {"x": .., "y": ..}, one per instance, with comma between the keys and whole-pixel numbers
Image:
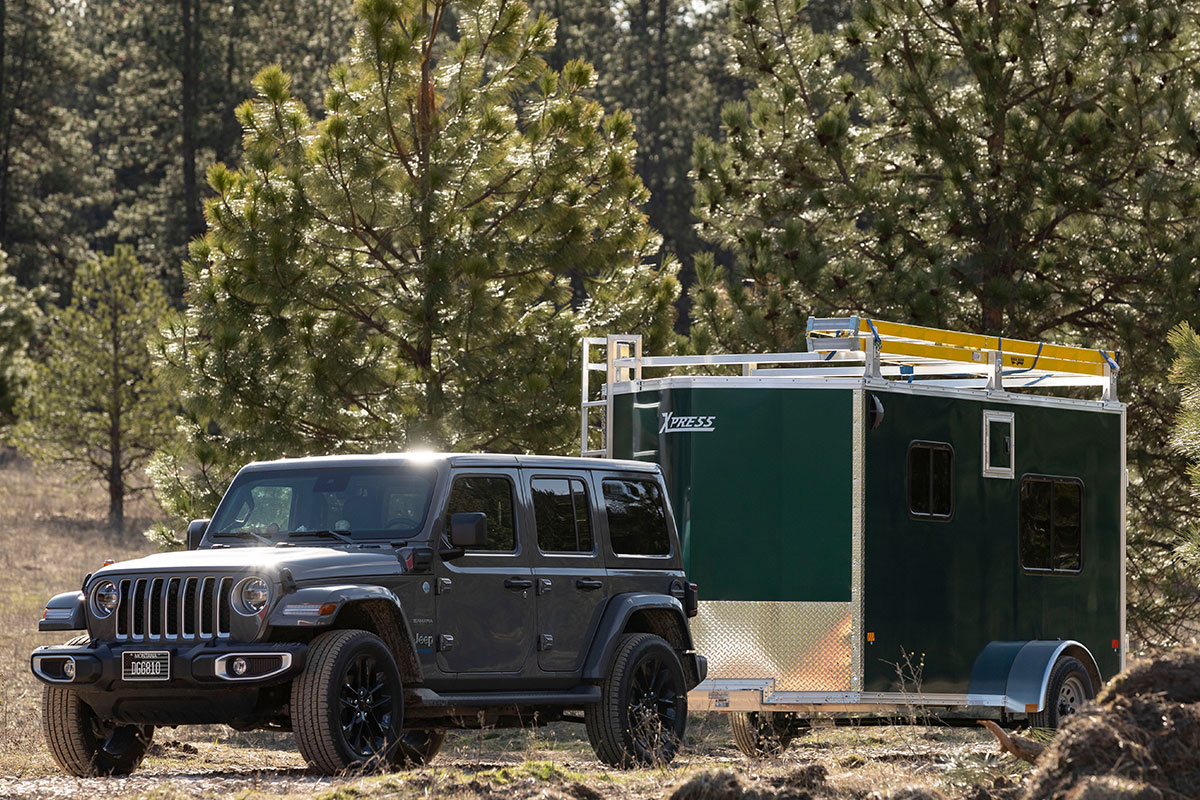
[{"x": 900, "y": 517}]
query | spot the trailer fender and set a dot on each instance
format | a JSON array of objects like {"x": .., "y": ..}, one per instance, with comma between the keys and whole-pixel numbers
[
  {"x": 1020, "y": 672},
  {"x": 620, "y": 611}
]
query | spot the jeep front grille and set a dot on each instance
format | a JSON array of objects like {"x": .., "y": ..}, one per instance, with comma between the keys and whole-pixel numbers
[{"x": 174, "y": 608}]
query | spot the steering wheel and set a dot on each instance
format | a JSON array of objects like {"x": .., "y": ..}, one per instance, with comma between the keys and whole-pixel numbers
[{"x": 397, "y": 522}]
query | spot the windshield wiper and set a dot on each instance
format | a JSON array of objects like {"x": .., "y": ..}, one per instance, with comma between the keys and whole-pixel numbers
[
  {"x": 319, "y": 532},
  {"x": 246, "y": 535}
]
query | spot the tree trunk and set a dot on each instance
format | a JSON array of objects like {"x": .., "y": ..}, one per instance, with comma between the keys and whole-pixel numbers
[
  {"x": 191, "y": 196},
  {"x": 5, "y": 112}
]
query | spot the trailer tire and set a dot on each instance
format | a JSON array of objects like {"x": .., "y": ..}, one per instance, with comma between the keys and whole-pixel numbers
[
  {"x": 419, "y": 747},
  {"x": 83, "y": 744},
  {"x": 758, "y": 735},
  {"x": 642, "y": 712},
  {"x": 1068, "y": 688}
]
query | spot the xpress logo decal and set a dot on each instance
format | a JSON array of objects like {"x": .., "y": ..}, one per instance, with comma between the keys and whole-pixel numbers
[{"x": 673, "y": 423}]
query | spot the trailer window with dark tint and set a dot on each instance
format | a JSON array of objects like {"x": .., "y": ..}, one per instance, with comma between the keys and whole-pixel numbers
[
  {"x": 637, "y": 518},
  {"x": 560, "y": 510},
  {"x": 930, "y": 480},
  {"x": 1051, "y": 520},
  {"x": 493, "y": 497}
]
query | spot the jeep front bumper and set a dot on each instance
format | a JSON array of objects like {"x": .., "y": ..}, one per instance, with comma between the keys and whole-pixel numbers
[{"x": 188, "y": 666}]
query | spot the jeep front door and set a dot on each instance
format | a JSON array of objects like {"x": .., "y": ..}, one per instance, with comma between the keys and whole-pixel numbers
[{"x": 485, "y": 598}]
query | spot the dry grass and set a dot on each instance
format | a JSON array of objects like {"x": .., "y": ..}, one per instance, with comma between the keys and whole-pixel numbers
[{"x": 52, "y": 533}]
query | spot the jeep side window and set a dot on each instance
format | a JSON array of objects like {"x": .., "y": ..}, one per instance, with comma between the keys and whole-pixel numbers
[
  {"x": 560, "y": 510},
  {"x": 493, "y": 497},
  {"x": 637, "y": 517}
]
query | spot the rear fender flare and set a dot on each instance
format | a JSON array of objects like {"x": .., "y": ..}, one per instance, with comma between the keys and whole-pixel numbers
[{"x": 617, "y": 615}]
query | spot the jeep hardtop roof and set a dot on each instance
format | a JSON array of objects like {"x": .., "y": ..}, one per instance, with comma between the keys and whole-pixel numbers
[{"x": 457, "y": 460}]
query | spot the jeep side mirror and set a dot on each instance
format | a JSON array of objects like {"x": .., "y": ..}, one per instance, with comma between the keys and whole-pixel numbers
[
  {"x": 468, "y": 530},
  {"x": 195, "y": 532}
]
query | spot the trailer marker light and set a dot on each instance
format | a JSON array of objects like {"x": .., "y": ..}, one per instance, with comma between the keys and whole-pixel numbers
[
  {"x": 1116, "y": 644},
  {"x": 1031, "y": 708},
  {"x": 871, "y": 637}
]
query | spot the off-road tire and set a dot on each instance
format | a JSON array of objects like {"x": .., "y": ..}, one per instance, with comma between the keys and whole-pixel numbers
[
  {"x": 418, "y": 747},
  {"x": 644, "y": 665},
  {"x": 320, "y": 711},
  {"x": 1069, "y": 686},
  {"x": 77, "y": 738},
  {"x": 757, "y": 735}
]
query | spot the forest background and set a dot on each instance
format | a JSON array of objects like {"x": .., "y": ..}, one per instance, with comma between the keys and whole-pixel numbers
[{"x": 395, "y": 237}]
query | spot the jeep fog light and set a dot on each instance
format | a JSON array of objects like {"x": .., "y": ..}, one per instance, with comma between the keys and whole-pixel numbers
[
  {"x": 105, "y": 598},
  {"x": 239, "y": 666},
  {"x": 251, "y": 596},
  {"x": 69, "y": 669}
]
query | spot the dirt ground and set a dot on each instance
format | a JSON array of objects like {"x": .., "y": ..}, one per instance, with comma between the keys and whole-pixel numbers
[{"x": 52, "y": 534}]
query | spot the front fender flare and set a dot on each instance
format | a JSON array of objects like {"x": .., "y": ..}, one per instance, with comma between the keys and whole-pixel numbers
[{"x": 64, "y": 612}]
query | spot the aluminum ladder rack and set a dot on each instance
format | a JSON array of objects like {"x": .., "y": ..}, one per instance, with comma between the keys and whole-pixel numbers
[{"x": 856, "y": 348}]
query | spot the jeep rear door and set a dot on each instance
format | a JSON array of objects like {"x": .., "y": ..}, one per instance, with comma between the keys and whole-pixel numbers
[{"x": 568, "y": 569}]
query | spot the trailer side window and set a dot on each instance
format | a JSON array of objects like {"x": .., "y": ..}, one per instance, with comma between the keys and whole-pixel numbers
[
  {"x": 637, "y": 518},
  {"x": 930, "y": 480},
  {"x": 1051, "y": 520},
  {"x": 999, "y": 458},
  {"x": 560, "y": 510}
]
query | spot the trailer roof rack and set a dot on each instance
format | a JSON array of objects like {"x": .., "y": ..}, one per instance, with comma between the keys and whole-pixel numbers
[{"x": 866, "y": 349}]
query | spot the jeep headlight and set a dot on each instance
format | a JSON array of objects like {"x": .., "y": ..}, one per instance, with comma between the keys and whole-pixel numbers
[
  {"x": 251, "y": 596},
  {"x": 105, "y": 599}
]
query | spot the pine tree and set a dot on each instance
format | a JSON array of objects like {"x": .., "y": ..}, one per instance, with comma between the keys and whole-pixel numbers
[
  {"x": 1015, "y": 168},
  {"x": 398, "y": 274},
  {"x": 48, "y": 184},
  {"x": 96, "y": 403},
  {"x": 20, "y": 320},
  {"x": 170, "y": 78}
]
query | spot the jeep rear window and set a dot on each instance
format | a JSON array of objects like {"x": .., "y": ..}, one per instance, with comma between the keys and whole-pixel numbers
[
  {"x": 560, "y": 510},
  {"x": 362, "y": 502},
  {"x": 637, "y": 518}
]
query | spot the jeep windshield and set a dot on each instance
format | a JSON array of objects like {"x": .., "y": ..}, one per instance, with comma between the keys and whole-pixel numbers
[{"x": 323, "y": 504}]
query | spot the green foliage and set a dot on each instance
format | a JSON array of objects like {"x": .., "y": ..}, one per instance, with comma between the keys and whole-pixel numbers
[
  {"x": 48, "y": 184},
  {"x": 416, "y": 268},
  {"x": 1185, "y": 372},
  {"x": 95, "y": 402},
  {"x": 20, "y": 319},
  {"x": 1023, "y": 169}
]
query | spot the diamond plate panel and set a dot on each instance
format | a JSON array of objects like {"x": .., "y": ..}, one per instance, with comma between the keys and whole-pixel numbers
[
  {"x": 858, "y": 524},
  {"x": 802, "y": 646}
]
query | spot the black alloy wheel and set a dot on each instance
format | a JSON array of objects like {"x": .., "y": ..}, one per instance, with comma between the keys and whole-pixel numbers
[
  {"x": 348, "y": 704},
  {"x": 367, "y": 703},
  {"x": 653, "y": 703},
  {"x": 642, "y": 713}
]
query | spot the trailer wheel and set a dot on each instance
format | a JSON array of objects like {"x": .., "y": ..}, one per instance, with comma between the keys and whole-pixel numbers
[
  {"x": 759, "y": 734},
  {"x": 82, "y": 743},
  {"x": 348, "y": 704},
  {"x": 1069, "y": 686},
  {"x": 643, "y": 707},
  {"x": 418, "y": 747}
]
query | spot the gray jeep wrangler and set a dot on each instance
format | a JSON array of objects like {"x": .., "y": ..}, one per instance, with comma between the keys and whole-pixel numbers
[{"x": 370, "y": 603}]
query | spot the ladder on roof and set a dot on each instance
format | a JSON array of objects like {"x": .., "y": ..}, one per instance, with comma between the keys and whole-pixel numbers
[
  {"x": 918, "y": 350},
  {"x": 857, "y": 347}
]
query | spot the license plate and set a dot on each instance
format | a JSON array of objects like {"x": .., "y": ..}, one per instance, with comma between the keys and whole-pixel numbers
[{"x": 146, "y": 665}]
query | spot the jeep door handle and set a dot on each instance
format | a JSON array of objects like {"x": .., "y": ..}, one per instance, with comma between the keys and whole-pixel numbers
[
  {"x": 588, "y": 585},
  {"x": 518, "y": 583}
]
